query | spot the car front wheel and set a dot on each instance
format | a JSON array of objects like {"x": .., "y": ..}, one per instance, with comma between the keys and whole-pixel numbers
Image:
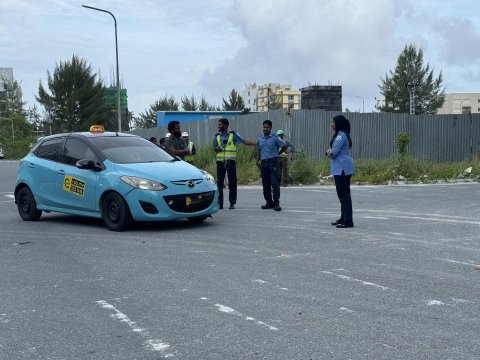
[
  {"x": 116, "y": 213},
  {"x": 27, "y": 207}
]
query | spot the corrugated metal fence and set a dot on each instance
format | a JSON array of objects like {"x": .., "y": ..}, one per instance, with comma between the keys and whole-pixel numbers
[{"x": 440, "y": 138}]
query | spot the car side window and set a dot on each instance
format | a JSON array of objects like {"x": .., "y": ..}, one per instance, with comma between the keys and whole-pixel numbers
[
  {"x": 50, "y": 149},
  {"x": 75, "y": 150}
]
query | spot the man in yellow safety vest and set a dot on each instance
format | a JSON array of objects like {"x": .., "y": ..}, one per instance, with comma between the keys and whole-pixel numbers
[{"x": 225, "y": 145}]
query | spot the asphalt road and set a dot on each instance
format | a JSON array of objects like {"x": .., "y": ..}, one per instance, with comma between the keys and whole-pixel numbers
[{"x": 249, "y": 283}]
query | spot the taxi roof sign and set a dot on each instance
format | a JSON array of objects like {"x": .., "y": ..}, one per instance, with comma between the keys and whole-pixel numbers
[{"x": 97, "y": 129}]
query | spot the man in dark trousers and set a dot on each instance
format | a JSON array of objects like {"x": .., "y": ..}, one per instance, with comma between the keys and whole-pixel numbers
[
  {"x": 175, "y": 144},
  {"x": 268, "y": 146},
  {"x": 225, "y": 146}
]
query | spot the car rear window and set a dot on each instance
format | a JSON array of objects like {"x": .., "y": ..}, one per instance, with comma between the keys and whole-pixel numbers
[
  {"x": 126, "y": 150},
  {"x": 49, "y": 149}
]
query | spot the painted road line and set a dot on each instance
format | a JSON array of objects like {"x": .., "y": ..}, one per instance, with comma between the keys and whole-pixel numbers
[
  {"x": 231, "y": 311},
  {"x": 459, "y": 262},
  {"x": 150, "y": 344},
  {"x": 348, "y": 278}
]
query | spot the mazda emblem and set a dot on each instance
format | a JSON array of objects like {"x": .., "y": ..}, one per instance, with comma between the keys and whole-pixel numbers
[{"x": 190, "y": 184}]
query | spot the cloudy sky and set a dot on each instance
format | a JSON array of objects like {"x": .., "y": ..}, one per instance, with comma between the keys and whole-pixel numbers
[{"x": 191, "y": 47}]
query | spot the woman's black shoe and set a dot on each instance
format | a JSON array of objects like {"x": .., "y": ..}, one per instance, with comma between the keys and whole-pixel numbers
[
  {"x": 339, "y": 221},
  {"x": 343, "y": 226}
]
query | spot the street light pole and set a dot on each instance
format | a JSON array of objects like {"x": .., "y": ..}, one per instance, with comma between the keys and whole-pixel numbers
[
  {"x": 119, "y": 115},
  {"x": 363, "y": 102}
]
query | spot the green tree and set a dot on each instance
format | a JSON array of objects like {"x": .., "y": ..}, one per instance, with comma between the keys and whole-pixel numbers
[
  {"x": 410, "y": 72},
  {"x": 205, "y": 106},
  {"x": 189, "y": 104},
  {"x": 10, "y": 97},
  {"x": 235, "y": 102},
  {"x": 148, "y": 118},
  {"x": 274, "y": 102},
  {"x": 76, "y": 99}
]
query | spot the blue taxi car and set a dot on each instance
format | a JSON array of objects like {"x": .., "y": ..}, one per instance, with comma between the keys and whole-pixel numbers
[{"x": 118, "y": 177}]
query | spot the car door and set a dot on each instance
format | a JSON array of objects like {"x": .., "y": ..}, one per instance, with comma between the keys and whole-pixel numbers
[
  {"x": 40, "y": 171},
  {"x": 76, "y": 188}
]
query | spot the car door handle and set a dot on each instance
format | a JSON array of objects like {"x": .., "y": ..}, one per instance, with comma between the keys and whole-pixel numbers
[
  {"x": 61, "y": 172},
  {"x": 30, "y": 165}
]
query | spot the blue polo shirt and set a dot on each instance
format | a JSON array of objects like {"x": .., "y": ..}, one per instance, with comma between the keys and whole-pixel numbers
[{"x": 269, "y": 145}]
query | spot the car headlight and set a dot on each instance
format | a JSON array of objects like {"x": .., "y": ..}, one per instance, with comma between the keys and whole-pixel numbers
[
  {"x": 208, "y": 177},
  {"x": 143, "y": 184}
]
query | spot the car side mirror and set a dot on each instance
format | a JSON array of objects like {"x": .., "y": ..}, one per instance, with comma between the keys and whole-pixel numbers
[{"x": 86, "y": 164}]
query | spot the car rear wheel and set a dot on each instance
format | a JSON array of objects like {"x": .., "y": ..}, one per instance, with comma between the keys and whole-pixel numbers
[
  {"x": 116, "y": 213},
  {"x": 27, "y": 206},
  {"x": 197, "y": 219}
]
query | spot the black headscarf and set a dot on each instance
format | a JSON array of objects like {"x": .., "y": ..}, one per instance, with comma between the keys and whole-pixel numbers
[{"x": 341, "y": 124}]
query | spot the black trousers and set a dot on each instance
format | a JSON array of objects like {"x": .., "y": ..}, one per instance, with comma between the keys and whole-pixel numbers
[
  {"x": 270, "y": 172},
  {"x": 228, "y": 168},
  {"x": 342, "y": 184}
]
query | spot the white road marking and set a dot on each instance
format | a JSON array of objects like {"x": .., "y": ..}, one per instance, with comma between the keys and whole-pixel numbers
[
  {"x": 263, "y": 282},
  {"x": 434, "y": 302},
  {"x": 229, "y": 310},
  {"x": 260, "y": 281},
  {"x": 9, "y": 196},
  {"x": 422, "y": 216},
  {"x": 151, "y": 344},
  {"x": 462, "y": 301},
  {"x": 459, "y": 262},
  {"x": 346, "y": 310},
  {"x": 348, "y": 278}
]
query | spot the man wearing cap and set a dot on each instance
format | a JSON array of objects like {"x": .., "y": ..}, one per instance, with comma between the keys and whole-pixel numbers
[
  {"x": 174, "y": 144},
  {"x": 190, "y": 146},
  {"x": 225, "y": 146},
  {"x": 284, "y": 157}
]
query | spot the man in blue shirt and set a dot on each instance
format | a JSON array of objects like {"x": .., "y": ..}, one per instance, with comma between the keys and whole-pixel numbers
[{"x": 269, "y": 165}]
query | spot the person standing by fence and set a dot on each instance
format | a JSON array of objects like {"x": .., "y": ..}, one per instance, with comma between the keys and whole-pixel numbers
[
  {"x": 268, "y": 146},
  {"x": 285, "y": 157},
  {"x": 342, "y": 168},
  {"x": 190, "y": 146},
  {"x": 174, "y": 144},
  {"x": 225, "y": 146}
]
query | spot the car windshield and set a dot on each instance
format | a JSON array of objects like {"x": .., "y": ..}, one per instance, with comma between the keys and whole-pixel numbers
[{"x": 128, "y": 150}]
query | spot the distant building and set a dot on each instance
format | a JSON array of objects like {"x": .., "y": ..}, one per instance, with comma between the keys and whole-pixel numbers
[
  {"x": 249, "y": 96},
  {"x": 7, "y": 73},
  {"x": 289, "y": 99},
  {"x": 164, "y": 117},
  {"x": 460, "y": 103},
  {"x": 326, "y": 97},
  {"x": 260, "y": 97}
]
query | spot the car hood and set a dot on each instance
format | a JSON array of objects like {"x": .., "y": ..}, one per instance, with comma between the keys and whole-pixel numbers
[{"x": 160, "y": 171}]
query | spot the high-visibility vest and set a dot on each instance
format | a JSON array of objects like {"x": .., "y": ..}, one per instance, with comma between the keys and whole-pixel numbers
[
  {"x": 190, "y": 156},
  {"x": 285, "y": 153},
  {"x": 229, "y": 151}
]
